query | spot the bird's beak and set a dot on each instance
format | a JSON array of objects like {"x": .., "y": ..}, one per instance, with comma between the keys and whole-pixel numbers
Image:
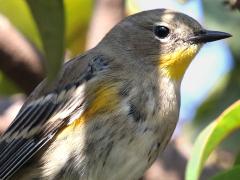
[{"x": 208, "y": 36}]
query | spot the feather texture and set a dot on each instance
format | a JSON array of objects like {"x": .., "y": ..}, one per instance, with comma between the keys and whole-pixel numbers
[{"x": 44, "y": 115}]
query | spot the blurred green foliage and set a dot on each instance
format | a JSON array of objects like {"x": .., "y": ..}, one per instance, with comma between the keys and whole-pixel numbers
[
  {"x": 7, "y": 86},
  {"x": 211, "y": 137},
  {"x": 20, "y": 16},
  {"x": 77, "y": 16},
  {"x": 50, "y": 21},
  {"x": 232, "y": 174},
  {"x": 222, "y": 17}
]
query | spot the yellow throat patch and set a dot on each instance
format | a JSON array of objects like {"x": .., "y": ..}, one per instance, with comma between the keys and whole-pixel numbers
[{"x": 175, "y": 64}]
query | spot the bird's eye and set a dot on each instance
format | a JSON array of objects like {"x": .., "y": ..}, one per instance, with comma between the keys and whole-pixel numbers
[{"x": 161, "y": 31}]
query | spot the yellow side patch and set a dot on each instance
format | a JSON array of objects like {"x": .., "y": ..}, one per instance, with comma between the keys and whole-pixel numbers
[
  {"x": 105, "y": 100},
  {"x": 174, "y": 65}
]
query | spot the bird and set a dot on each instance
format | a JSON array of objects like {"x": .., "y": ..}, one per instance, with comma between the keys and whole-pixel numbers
[{"x": 111, "y": 110}]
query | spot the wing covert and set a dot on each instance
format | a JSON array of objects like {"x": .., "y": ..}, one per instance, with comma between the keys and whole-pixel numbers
[{"x": 46, "y": 111}]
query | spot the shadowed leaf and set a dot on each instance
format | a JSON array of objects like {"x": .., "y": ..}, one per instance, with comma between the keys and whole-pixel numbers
[{"x": 49, "y": 18}]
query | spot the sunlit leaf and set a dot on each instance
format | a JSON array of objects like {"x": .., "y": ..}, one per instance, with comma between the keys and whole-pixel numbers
[
  {"x": 77, "y": 16},
  {"x": 132, "y": 7},
  {"x": 49, "y": 18},
  {"x": 210, "y": 137}
]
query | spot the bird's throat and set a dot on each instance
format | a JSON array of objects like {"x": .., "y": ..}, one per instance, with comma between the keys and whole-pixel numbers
[{"x": 175, "y": 64}]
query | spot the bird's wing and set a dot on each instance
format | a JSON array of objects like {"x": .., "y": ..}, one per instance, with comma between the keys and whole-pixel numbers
[{"x": 45, "y": 112}]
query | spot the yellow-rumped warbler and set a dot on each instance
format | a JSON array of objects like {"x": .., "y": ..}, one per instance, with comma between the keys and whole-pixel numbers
[{"x": 113, "y": 109}]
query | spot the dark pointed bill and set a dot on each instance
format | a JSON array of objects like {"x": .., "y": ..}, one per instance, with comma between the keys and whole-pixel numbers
[{"x": 208, "y": 36}]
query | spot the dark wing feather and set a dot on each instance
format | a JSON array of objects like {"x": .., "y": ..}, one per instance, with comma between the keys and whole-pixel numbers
[
  {"x": 19, "y": 144},
  {"x": 46, "y": 111}
]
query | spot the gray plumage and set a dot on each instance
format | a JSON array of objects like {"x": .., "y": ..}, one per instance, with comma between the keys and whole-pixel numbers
[{"x": 109, "y": 113}]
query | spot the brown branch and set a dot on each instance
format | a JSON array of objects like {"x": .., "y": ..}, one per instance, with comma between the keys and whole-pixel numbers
[
  {"x": 107, "y": 13},
  {"x": 19, "y": 60}
]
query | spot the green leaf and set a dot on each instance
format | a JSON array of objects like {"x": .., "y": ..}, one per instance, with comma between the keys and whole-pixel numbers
[
  {"x": 77, "y": 17},
  {"x": 210, "y": 137},
  {"x": 49, "y": 18},
  {"x": 237, "y": 159},
  {"x": 232, "y": 174},
  {"x": 7, "y": 87}
]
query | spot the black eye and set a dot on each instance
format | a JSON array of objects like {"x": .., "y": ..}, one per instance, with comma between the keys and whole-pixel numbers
[{"x": 161, "y": 31}]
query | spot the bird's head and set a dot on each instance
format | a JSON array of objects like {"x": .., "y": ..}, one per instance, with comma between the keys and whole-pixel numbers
[{"x": 161, "y": 37}]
